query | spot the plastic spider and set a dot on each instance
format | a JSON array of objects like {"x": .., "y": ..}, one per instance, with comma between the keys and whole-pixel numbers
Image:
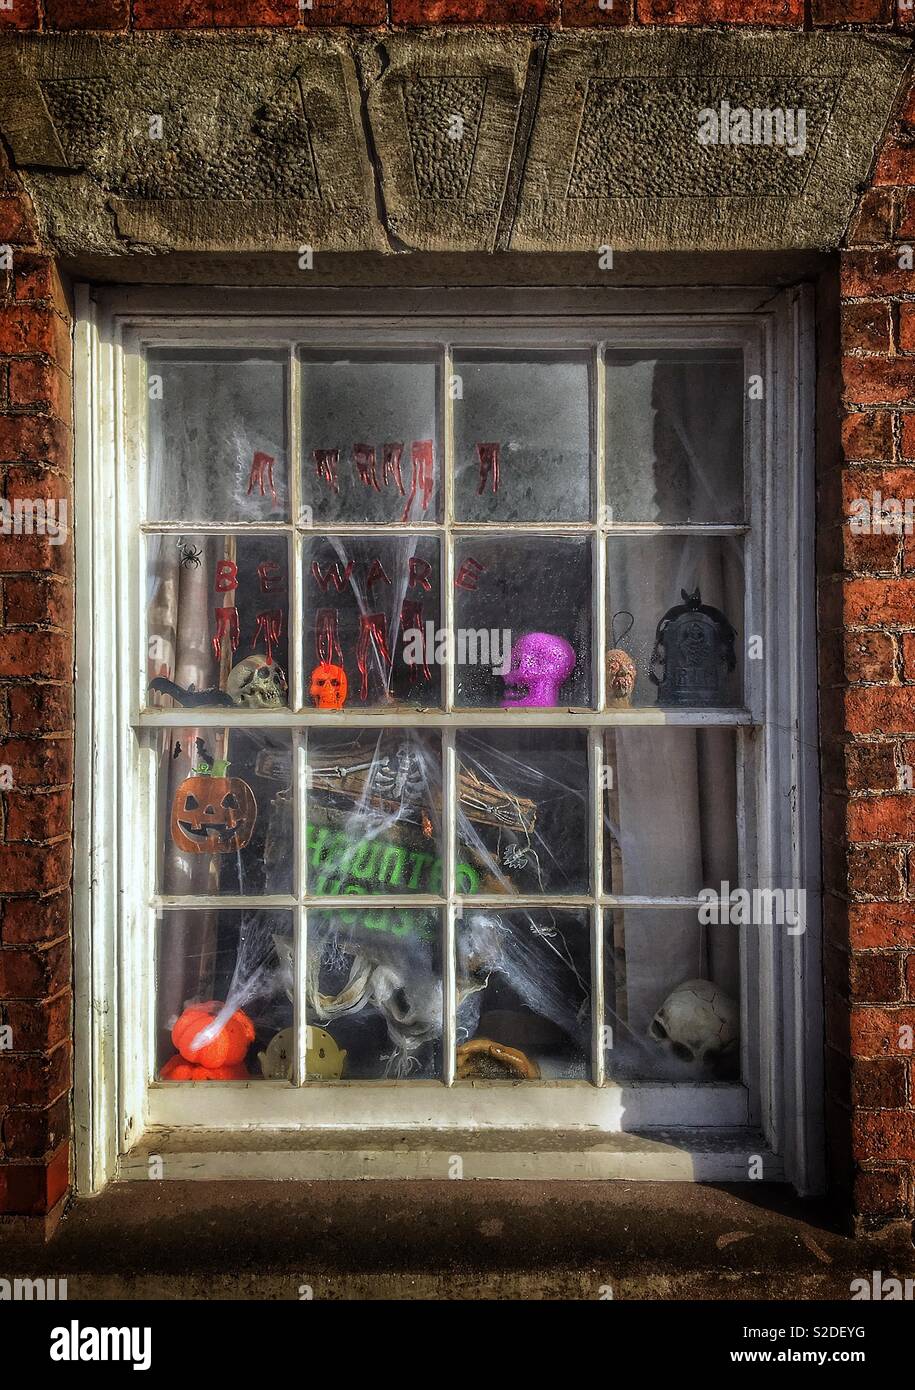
[{"x": 190, "y": 555}]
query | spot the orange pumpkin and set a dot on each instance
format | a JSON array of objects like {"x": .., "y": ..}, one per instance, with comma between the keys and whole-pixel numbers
[
  {"x": 213, "y": 813},
  {"x": 177, "y": 1069},
  {"x": 229, "y": 1045}
]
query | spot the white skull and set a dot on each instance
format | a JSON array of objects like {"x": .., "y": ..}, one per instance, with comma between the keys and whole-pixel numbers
[
  {"x": 698, "y": 1022},
  {"x": 257, "y": 685}
]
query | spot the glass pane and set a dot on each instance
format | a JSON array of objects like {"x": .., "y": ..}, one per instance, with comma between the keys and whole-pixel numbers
[
  {"x": 523, "y": 809},
  {"x": 524, "y": 996},
  {"x": 374, "y": 812},
  {"x": 522, "y": 436},
  {"x": 670, "y": 811},
  {"x": 372, "y": 612},
  {"x": 671, "y": 984},
  {"x": 225, "y": 811},
  {"x": 374, "y": 1000},
  {"x": 217, "y": 621},
  {"x": 674, "y": 436},
  {"x": 223, "y": 1007},
  {"x": 684, "y": 597},
  {"x": 370, "y": 443},
  {"x": 522, "y": 607},
  {"x": 216, "y": 436}
]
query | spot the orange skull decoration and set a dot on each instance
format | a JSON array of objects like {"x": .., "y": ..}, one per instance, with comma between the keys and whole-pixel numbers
[
  {"x": 328, "y": 686},
  {"x": 213, "y": 813}
]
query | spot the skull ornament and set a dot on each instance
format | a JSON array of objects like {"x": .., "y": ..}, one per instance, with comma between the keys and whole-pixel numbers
[
  {"x": 257, "y": 683},
  {"x": 328, "y": 686},
  {"x": 540, "y": 662},
  {"x": 621, "y": 677},
  {"x": 698, "y": 1023}
]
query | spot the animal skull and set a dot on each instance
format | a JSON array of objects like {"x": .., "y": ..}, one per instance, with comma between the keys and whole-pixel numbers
[
  {"x": 257, "y": 683},
  {"x": 697, "y": 1022}
]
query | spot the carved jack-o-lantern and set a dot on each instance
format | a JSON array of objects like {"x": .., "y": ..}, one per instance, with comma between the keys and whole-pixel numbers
[
  {"x": 213, "y": 813},
  {"x": 328, "y": 686}
]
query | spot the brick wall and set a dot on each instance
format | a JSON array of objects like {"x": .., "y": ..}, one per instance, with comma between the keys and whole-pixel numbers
[
  {"x": 36, "y": 743},
  {"x": 867, "y": 620}
]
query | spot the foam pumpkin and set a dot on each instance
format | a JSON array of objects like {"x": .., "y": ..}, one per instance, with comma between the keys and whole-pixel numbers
[
  {"x": 226, "y": 1049},
  {"x": 213, "y": 813},
  {"x": 177, "y": 1069}
]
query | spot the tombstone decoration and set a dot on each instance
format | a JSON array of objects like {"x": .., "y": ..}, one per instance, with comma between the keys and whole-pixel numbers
[{"x": 693, "y": 653}]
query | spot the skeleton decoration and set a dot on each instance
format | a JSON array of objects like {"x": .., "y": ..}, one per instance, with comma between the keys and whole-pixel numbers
[
  {"x": 328, "y": 686},
  {"x": 256, "y": 683},
  {"x": 540, "y": 663},
  {"x": 698, "y": 1023},
  {"x": 621, "y": 669}
]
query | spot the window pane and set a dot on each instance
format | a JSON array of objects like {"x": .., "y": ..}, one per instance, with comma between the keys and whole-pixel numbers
[
  {"x": 375, "y": 994},
  {"x": 370, "y": 443},
  {"x": 670, "y": 811},
  {"x": 523, "y": 809},
  {"x": 522, "y": 436},
  {"x": 222, "y": 999},
  {"x": 674, "y": 436},
  {"x": 671, "y": 986},
  {"x": 374, "y": 812},
  {"x": 524, "y": 995},
  {"x": 523, "y": 603},
  {"x": 217, "y": 436},
  {"x": 225, "y": 811},
  {"x": 217, "y": 621},
  {"x": 372, "y": 611},
  {"x": 694, "y": 585}
]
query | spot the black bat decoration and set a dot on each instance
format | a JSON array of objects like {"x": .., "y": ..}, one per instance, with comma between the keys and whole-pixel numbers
[{"x": 190, "y": 698}]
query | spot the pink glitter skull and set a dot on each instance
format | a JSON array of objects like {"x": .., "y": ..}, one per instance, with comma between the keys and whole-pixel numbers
[{"x": 540, "y": 662}]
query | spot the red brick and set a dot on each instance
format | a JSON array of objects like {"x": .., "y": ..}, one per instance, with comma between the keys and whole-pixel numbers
[
  {"x": 879, "y": 1032},
  {"x": 874, "y": 219},
  {"x": 880, "y": 709},
  {"x": 895, "y": 165},
  {"x": 587, "y": 14},
  {"x": 720, "y": 12},
  {"x": 910, "y": 979},
  {"x": 908, "y": 655},
  {"x": 35, "y": 437},
  {"x": 34, "y": 1133},
  {"x": 33, "y": 1189},
  {"x": 17, "y": 220},
  {"x": 87, "y": 14},
  {"x": 38, "y": 599},
  {"x": 907, "y": 327},
  {"x": 42, "y": 655},
  {"x": 35, "y": 281},
  {"x": 864, "y": 274},
  {"x": 24, "y": 15},
  {"x": 869, "y": 656},
  {"x": 28, "y": 921},
  {"x": 875, "y": 601},
  {"x": 866, "y": 326},
  {"x": 40, "y": 709},
  {"x": 33, "y": 972},
  {"x": 874, "y": 380},
  {"x": 41, "y": 384},
  {"x": 21, "y": 554},
  {"x": 875, "y": 925},
  {"x": 28, "y": 329},
  {"x": 879, "y": 1084},
  {"x": 908, "y": 436},
  {"x": 39, "y": 1025},
  {"x": 473, "y": 11},
  {"x": 881, "y": 1194},
  {"x": 213, "y": 14},
  {"x": 905, "y": 231},
  {"x": 38, "y": 762},
  {"x": 38, "y": 815},
  {"x": 345, "y": 12},
  {"x": 884, "y": 1134},
  {"x": 851, "y": 11},
  {"x": 871, "y": 767},
  {"x": 875, "y": 872},
  {"x": 868, "y": 436},
  {"x": 868, "y": 554}
]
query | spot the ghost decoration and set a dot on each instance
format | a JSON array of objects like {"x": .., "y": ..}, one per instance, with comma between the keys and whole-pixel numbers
[
  {"x": 540, "y": 663},
  {"x": 328, "y": 686},
  {"x": 697, "y": 1023},
  {"x": 255, "y": 683}
]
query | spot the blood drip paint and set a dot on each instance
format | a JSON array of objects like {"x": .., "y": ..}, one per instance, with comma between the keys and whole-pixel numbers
[
  {"x": 327, "y": 641},
  {"x": 226, "y": 626},
  {"x": 391, "y": 455},
  {"x": 422, "y": 458},
  {"x": 411, "y": 620},
  {"x": 326, "y": 461},
  {"x": 372, "y": 629},
  {"x": 488, "y": 456},
  {"x": 262, "y": 466},
  {"x": 364, "y": 457},
  {"x": 269, "y": 626}
]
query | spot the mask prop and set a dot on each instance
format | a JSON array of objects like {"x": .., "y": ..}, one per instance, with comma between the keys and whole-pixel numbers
[
  {"x": 213, "y": 813},
  {"x": 207, "y": 1053},
  {"x": 328, "y": 686},
  {"x": 540, "y": 663},
  {"x": 621, "y": 672}
]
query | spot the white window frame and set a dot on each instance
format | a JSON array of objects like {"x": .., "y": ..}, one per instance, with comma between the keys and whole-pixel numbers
[{"x": 118, "y": 1106}]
